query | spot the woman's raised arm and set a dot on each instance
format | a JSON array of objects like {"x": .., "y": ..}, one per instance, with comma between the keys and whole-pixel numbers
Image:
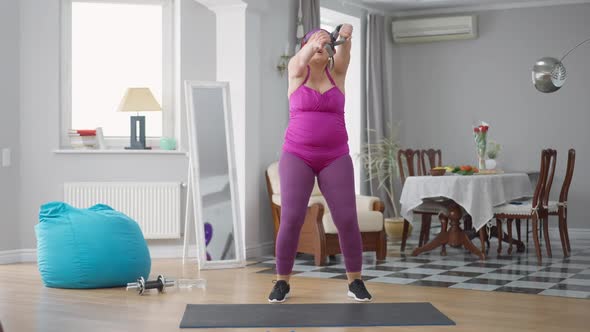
[
  {"x": 342, "y": 56},
  {"x": 298, "y": 63}
]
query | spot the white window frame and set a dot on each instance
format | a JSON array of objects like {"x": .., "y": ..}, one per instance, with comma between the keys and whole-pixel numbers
[{"x": 169, "y": 73}]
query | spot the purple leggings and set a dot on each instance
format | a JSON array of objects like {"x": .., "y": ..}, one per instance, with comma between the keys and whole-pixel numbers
[{"x": 336, "y": 181}]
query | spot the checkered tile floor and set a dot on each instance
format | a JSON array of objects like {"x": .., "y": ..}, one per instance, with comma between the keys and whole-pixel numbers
[{"x": 516, "y": 273}]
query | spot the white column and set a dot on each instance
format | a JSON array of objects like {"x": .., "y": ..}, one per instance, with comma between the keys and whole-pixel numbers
[
  {"x": 231, "y": 67},
  {"x": 255, "y": 188},
  {"x": 238, "y": 62}
]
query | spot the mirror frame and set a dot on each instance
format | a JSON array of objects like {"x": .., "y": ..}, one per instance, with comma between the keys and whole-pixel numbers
[{"x": 194, "y": 177}]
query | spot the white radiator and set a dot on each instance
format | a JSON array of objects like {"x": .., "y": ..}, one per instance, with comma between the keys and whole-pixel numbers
[{"x": 154, "y": 205}]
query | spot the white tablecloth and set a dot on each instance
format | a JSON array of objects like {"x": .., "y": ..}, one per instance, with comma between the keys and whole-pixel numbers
[{"x": 477, "y": 194}]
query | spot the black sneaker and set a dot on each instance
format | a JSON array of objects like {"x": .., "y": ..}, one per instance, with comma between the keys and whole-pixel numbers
[
  {"x": 279, "y": 292},
  {"x": 358, "y": 291}
]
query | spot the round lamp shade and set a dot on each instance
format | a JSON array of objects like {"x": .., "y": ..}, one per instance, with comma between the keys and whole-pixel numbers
[{"x": 548, "y": 74}]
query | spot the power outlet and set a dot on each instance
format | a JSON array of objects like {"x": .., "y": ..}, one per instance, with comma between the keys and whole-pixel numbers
[{"x": 6, "y": 157}]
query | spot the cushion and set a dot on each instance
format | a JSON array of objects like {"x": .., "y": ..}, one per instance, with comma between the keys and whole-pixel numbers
[
  {"x": 365, "y": 203},
  {"x": 524, "y": 209},
  {"x": 89, "y": 248},
  {"x": 312, "y": 200},
  {"x": 273, "y": 175},
  {"x": 369, "y": 221},
  {"x": 553, "y": 206}
]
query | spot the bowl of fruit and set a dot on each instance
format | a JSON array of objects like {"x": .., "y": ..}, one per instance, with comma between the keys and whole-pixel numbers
[
  {"x": 438, "y": 171},
  {"x": 465, "y": 170}
]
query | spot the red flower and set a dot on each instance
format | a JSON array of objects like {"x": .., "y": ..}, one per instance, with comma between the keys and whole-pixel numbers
[
  {"x": 476, "y": 130},
  {"x": 485, "y": 129}
]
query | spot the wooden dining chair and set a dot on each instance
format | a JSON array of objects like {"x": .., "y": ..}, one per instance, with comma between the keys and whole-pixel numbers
[
  {"x": 559, "y": 208},
  {"x": 552, "y": 208},
  {"x": 546, "y": 192},
  {"x": 412, "y": 168},
  {"x": 430, "y": 159},
  {"x": 533, "y": 210},
  {"x": 409, "y": 164},
  {"x": 411, "y": 160}
]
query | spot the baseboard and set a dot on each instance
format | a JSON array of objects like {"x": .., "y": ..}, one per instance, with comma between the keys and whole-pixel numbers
[
  {"x": 18, "y": 256},
  {"x": 10, "y": 256},
  {"x": 259, "y": 250},
  {"x": 30, "y": 255},
  {"x": 168, "y": 251},
  {"x": 576, "y": 230},
  {"x": 171, "y": 251},
  {"x": 156, "y": 251},
  {"x": 572, "y": 231}
]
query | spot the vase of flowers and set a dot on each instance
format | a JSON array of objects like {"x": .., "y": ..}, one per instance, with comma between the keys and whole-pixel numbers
[{"x": 480, "y": 133}]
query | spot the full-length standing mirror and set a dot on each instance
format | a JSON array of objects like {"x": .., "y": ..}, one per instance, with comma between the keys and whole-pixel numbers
[{"x": 213, "y": 179}]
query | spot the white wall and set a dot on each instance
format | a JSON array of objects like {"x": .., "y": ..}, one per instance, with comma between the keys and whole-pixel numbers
[
  {"x": 268, "y": 28},
  {"x": 446, "y": 86},
  {"x": 9, "y": 120},
  {"x": 44, "y": 171},
  {"x": 198, "y": 56}
]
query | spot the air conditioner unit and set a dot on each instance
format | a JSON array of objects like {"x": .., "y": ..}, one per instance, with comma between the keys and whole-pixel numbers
[{"x": 435, "y": 29}]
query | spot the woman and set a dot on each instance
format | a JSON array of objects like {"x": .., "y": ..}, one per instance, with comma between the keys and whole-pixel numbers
[{"x": 316, "y": 144}]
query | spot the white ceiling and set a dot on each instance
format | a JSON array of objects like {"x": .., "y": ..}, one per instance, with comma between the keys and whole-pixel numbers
[{"x": 430, "y": 5}]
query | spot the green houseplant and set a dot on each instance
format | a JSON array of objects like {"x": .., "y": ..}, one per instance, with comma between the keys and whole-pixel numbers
[
  {"x": 379, "y": 159},
  {"x": 492, "y": 152}
]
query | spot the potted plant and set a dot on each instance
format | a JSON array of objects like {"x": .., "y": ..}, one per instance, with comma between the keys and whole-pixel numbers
[
  {"x": 492, "y": 151},
  {"x": 380, "y": 161}
]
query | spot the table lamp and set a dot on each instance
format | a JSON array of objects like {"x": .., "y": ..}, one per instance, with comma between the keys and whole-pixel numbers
[{"x": 138, "y": 100}]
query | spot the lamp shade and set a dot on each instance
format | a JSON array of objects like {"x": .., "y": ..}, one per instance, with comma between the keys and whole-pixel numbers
[
  {"x": 548, "y": 74},
  {"x": 139, "y": 100}
]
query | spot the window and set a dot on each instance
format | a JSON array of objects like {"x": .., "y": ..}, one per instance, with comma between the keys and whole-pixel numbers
[
  {"x": 109, "y": 46},
  {"x": 352, "y": 110}
]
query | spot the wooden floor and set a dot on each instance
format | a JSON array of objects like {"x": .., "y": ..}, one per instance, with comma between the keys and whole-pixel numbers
[{"x": 25, "y": 305}]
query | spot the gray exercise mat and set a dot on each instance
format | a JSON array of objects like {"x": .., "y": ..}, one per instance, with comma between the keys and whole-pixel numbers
[{"x": 312, "y": 315}]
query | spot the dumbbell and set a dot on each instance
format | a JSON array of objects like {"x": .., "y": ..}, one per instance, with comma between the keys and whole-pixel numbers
[
  {"x": 334, "y": 35},
  {"x": 160, "y": 284}
]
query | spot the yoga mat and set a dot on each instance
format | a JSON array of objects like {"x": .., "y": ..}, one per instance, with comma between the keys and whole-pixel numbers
[{"x": 312, "y": 315}]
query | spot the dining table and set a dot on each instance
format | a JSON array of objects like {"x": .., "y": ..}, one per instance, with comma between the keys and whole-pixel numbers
[{"x": 473, "y": 195}]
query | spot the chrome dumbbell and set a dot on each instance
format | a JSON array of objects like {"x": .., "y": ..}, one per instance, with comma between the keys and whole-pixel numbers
[{"x": 160, "y": 284}]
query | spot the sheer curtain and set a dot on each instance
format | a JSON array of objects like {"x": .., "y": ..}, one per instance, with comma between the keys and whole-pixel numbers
[{"x": 379, "y": 103}]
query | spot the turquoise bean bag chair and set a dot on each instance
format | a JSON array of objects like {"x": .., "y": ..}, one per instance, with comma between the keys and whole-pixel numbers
[{"x": 89, "y": 248}]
